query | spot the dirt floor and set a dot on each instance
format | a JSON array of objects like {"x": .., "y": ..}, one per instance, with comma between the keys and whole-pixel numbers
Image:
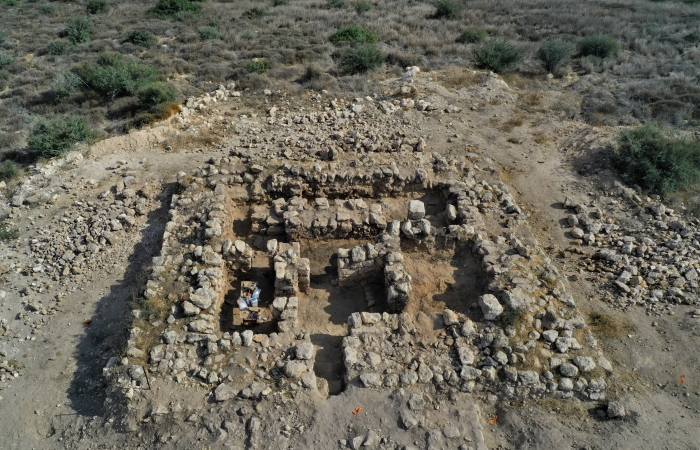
[
  {"x": 57, "y": 398},
  {"x": 444, "y": 280}
]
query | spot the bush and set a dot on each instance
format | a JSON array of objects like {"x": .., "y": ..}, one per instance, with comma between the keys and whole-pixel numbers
[
  {"x": 354, "y": 33},
  {"x": 336, "y": 4},
  {"x": 553, "y": 54},
  {"x": 279, "y": 2},
  {"x": 311, "y": 73},
  {"x": 156, "y": 93},
  {"x": 5, "y": 60},
  {"x": 258, "y": 66},
  {"x": 255, "y": 13},
  {"x": 206, "y": 33},
  {"x": 65, "y": 85},
  {"x": 650, "y": 159},
  {"x": 142, "y": 38},
  {"x": 7, "y": 234},
  {"x": 3, "y": 37},
  {"x": 472, "y": 36},
  {"x": 169, "y": 9},
  {"x": 114, "y": 75},
  {"x": 57, "y": 47},
  {"x": 363, "y": 6},
  {"x": 158, "y": 112},
  {"x": 361, "y": 58},
  {"x": 54, "y": 136},
  {"x": 692, "y": 37},
  {"x": 96, "y": 6},
  {"x": 446, "y": 9},
  {"x": 8, "y": 170},
  {"x": 497, "y": 56},
  {"x": 48, "y": 8},
  {"x": 79, "y": 29},
  {"x": 9, "y": 2},
  {"x": 600, "y": 45},
  {"x": 511, "y": 317}
]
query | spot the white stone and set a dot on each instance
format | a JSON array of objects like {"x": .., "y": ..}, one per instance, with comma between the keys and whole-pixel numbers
[
  {"x": 416, "y": 210},
  {"x": 490, "y": 306}
]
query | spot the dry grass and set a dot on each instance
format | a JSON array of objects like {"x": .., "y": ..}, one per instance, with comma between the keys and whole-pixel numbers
[
  {"x": 456, "y": 77},
  {"x": 295, "y": 36},
  {"x": 511, "y": 124},
  {"x": 189, "y": 140},
  {"x": 565, "y": 407},
  {"x": 610, "y": 325},
  {"x": 540, "y": 138}
]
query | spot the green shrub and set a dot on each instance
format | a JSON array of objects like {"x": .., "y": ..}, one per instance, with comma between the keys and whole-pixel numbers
[
  {"x": 511, "y": 317},
  {"x": 5, "y": 60},
  {"x": 172, "y": 9},
  {"x": 691, "y": 2},
  {"x": 497, "y": 56},
  {"x": 142, "y": 38},
  {"x": 206, "y": 33},
  {"x": 9, "y": 2},
  {"x": 600, "y": 45},
  {"x": 279, "y": 2},
  {"x": 311, "y": 73},
  {"x": 446, "y": 9},
  {"x": 255, "y": 13},
  {"x": 8, "y": 170},
  {"x": 656, "y": 162},
  {"x": 114, "y": 75},
  {"x": 472, "y": 36},
  {"x": 258, "y": 65},
  {"x": 353, "y": 33},
  {"x": 693, "y": 37},
  {"x": 361, "y": 58},
  {"x": 65, "y": 84},
  {"x": 554, "y": 54},
  {"x": 337, "y": 4},
  {"x": 48, "y": 8},
  {"x": 78, "y": 30},
  {"x": 96, "y": 6},
  {"x": 54, "y": 136},
  {"x": 363, "y": 6},
  {"x": 248, "y": 36},
  {"x": 7, "y": 234},
  {"x": 156, "y": 93},
  {"x": 58, "y": 47},
  {"x": 3, "y": 37}
]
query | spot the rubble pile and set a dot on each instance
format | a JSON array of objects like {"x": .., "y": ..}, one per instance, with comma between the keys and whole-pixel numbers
[{"x": 653, "y": 262}]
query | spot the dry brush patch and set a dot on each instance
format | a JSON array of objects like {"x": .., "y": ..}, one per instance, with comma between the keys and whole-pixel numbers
[{"x": 295, "y": 35}]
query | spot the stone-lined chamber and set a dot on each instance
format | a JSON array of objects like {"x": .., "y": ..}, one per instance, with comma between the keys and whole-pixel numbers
[{"x": 525, "y": 336}]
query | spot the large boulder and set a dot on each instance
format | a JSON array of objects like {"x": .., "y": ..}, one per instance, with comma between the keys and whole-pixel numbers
[
  {"x": 490, "y": 306},
  {"x": 416, "y": 210},
  {"x": 224, "y": 392},
  {"x": 305, "y": 351}
]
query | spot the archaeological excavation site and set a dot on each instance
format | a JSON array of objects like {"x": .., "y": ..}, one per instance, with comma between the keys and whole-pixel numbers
[{"x": 344, "y": 257}]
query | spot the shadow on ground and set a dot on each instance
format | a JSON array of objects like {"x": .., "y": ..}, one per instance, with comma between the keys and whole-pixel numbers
[{"x": 106, "y": 335}]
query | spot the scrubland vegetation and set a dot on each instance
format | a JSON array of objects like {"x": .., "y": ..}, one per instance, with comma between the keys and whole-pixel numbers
[{"x": 120, "y": 65}]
